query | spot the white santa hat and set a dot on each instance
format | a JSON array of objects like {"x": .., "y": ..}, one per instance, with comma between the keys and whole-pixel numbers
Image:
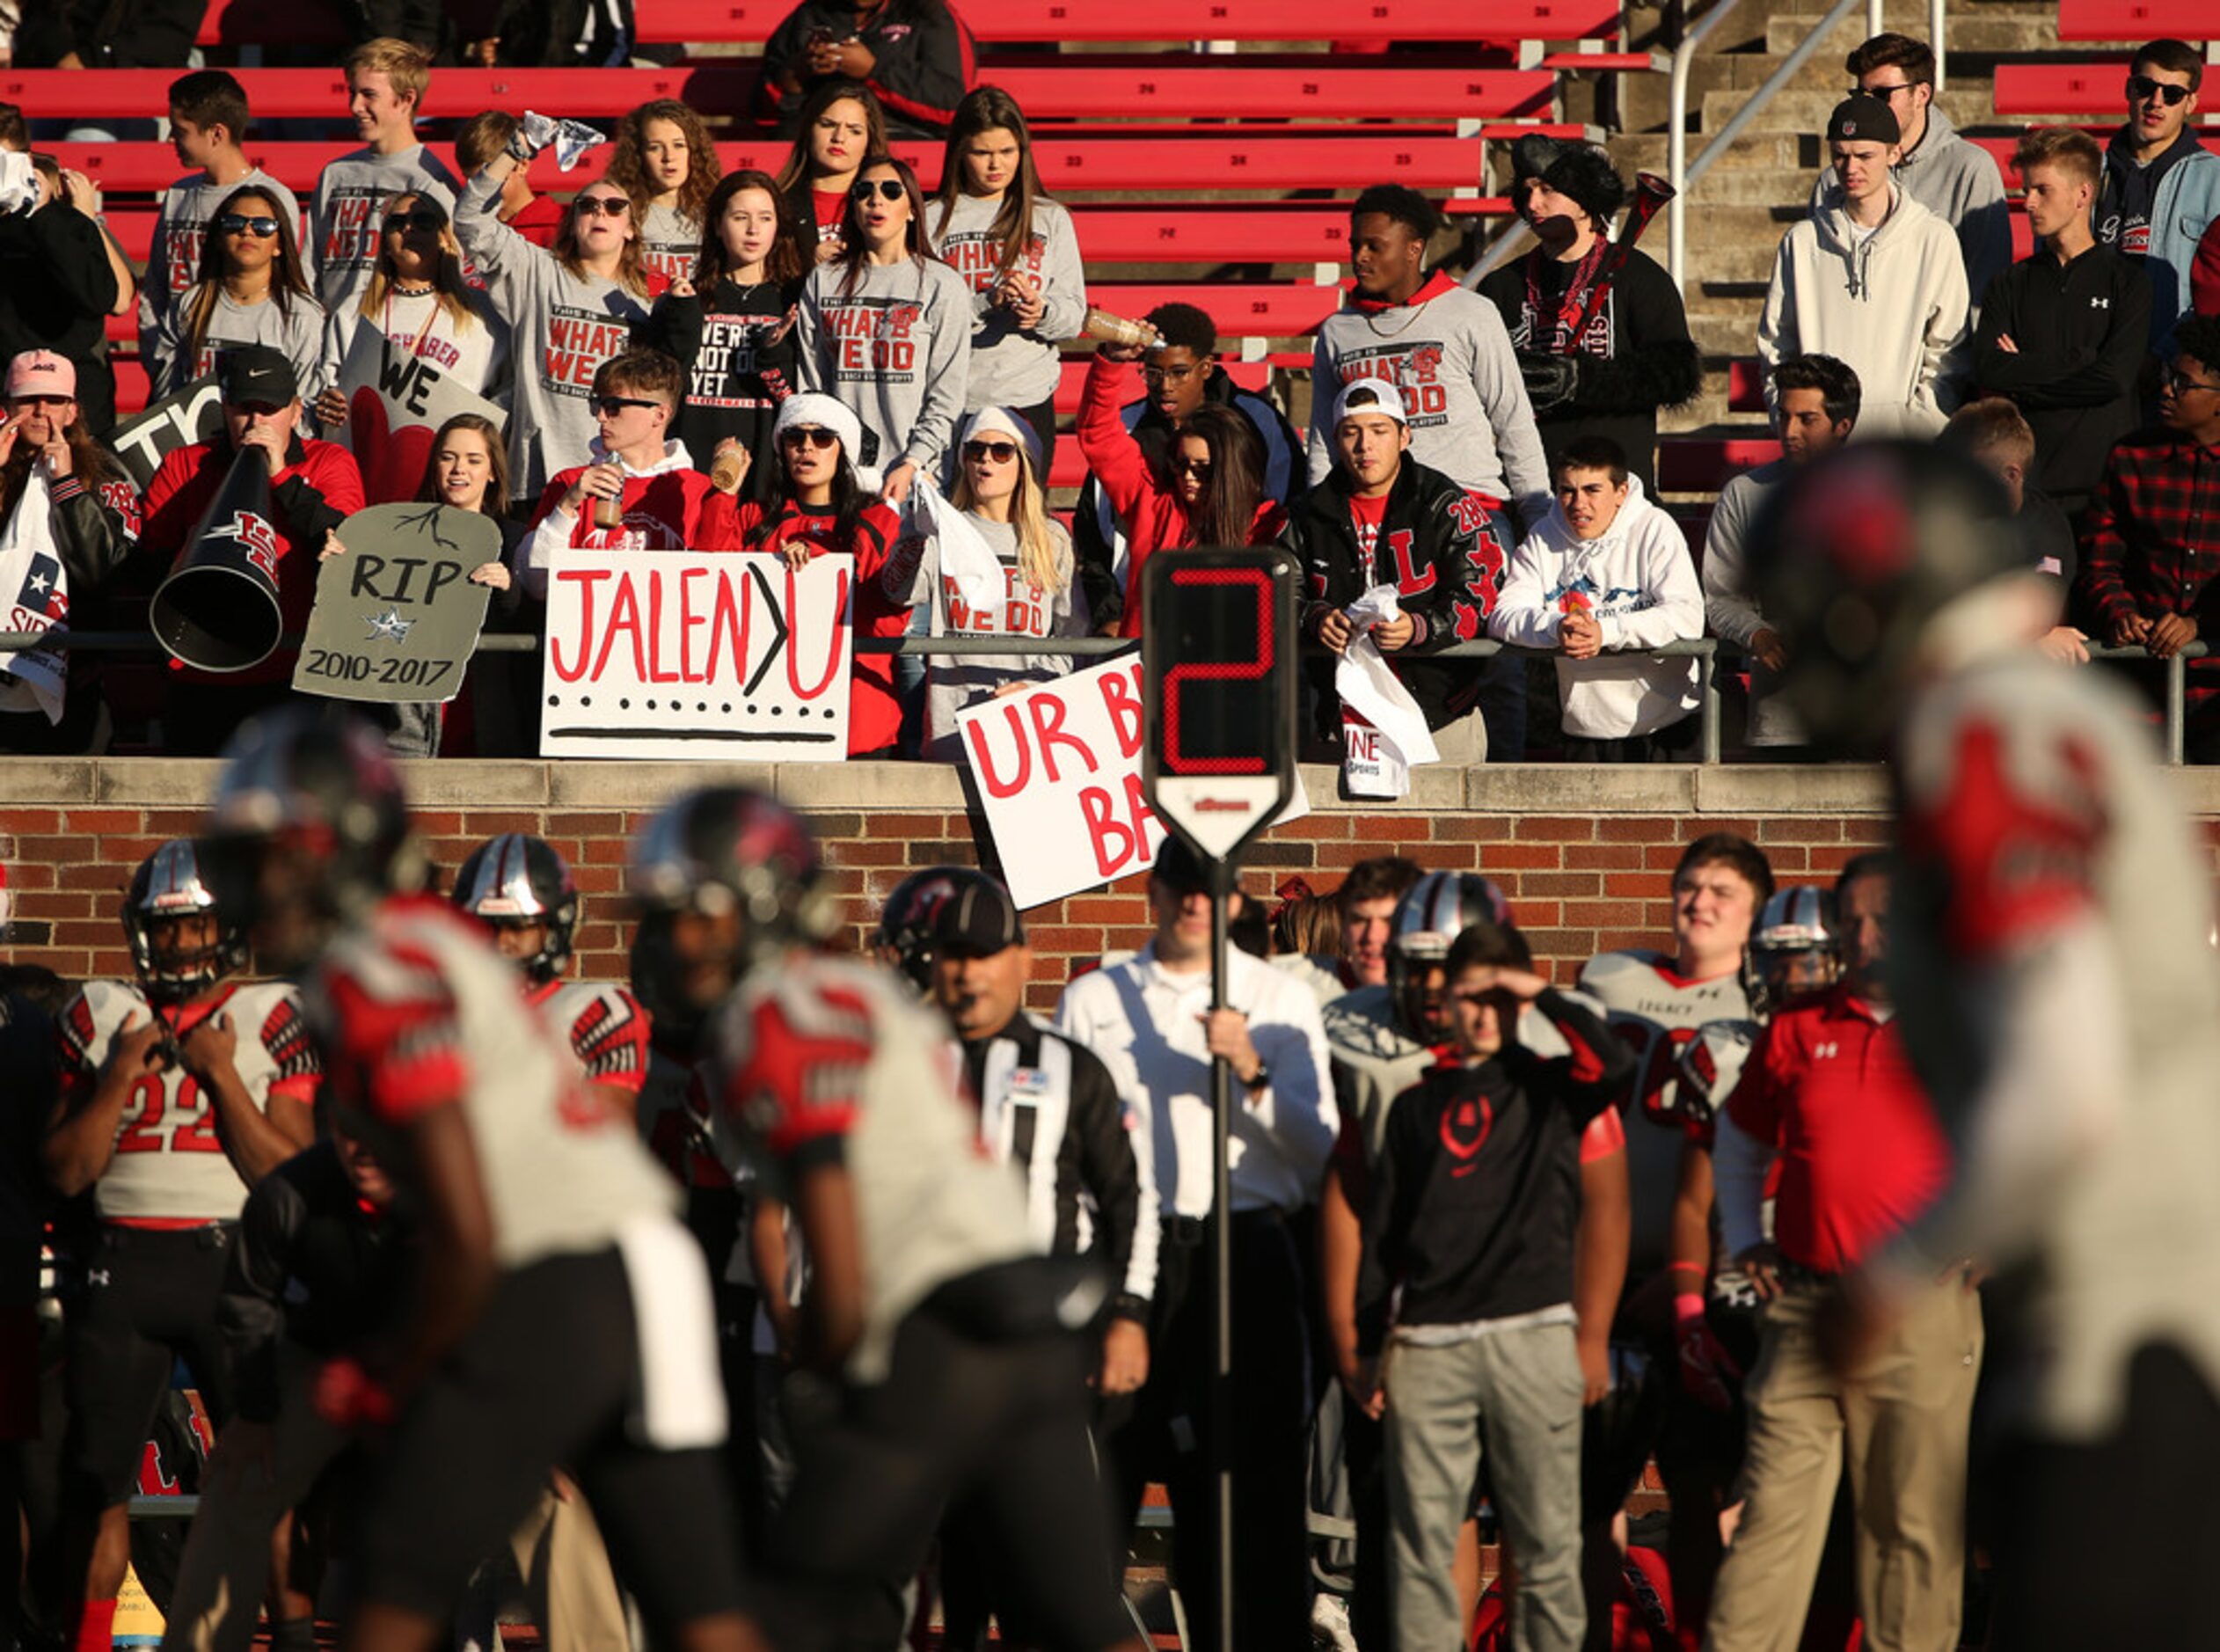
[
  {"x": 990, "y": 421},
  {"x": 811, "y": 408}
]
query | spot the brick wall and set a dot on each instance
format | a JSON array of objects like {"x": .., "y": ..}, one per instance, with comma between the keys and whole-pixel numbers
[{"x": 1586, "y": 854}]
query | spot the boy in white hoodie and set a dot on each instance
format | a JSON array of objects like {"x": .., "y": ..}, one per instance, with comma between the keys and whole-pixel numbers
[
  {"x": 1608, "y": 573},
  {"x": 1874, "y": 280}
]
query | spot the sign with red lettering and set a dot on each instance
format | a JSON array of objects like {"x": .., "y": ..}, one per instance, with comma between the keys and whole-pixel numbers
[
  {"x": 1058, "y": 766},
  {"x": 691, "y": 653}
]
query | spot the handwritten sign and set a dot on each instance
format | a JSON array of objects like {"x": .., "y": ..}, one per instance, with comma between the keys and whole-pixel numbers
[
  {"x": 1059, "y": 769},
  {"x": 395, "y": 403},
  {"x": 142, "y": 443},
  {"x": 396, "y": 617},
  {"x": 689, "y": 654}
]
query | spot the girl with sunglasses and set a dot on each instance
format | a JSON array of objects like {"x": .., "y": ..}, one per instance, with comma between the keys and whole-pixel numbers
[
  {"x": 886, "y": 328},
  {"x": 1015, "y": 249},
  {"x": 570, "y": 307},
  {"x": 814, "y": 503},
  {"x": 253, "y": 289},
  {"x": 1211, "y": 491},
  {"x": 842, "y": 126},
  {"x": 419, "y": 301},
  {"x": 740, "y": 302},
  {"x": 665, "y": 160},
  {"x": 999, "y": 488}
]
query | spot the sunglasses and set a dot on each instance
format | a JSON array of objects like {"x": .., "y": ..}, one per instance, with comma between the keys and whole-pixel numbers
[
  {"x": 239, "y": 223},
  {"x": 1199, "y": 469},
  {"x": 603, "y": 206},
  {"x": 2141, "y": 87},
  {"x": 815, "y": 436},
  {"x": 418, "y": 218},
  {"x": 614, "y": 405},
  {"x": 1000, "y": 452},
  {"x": 886, "y": 188}
]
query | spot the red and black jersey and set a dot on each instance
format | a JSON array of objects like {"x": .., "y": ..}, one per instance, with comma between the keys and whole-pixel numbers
[
  {"x": 170, "y": 1165},
  {"x": 602, "y": 1024}
]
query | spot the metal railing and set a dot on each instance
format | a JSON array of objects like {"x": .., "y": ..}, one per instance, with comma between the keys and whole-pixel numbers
[
  {"x": 1681, "y": 173},
  {"x": 1707, "y": 651}
]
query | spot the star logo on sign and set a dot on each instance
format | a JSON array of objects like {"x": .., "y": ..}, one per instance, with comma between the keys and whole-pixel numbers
[
  {"x": 389, "y": 626},
  {"x": 39, "y": 583}
]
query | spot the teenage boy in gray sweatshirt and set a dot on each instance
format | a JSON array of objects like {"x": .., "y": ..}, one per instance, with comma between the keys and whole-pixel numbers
[{"x": 386, "y": 80}]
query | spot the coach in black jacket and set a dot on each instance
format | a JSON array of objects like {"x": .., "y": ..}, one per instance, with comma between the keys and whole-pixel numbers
[{"x": 1381, "y": 518}]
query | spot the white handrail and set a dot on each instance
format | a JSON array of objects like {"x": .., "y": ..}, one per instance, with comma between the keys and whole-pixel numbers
[{"x": 1679, "y": 171}]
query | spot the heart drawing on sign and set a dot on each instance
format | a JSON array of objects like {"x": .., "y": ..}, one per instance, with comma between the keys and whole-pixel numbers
[{"x": 392, "y": 461}]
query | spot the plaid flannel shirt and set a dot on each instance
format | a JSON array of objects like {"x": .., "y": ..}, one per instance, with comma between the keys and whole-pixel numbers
[{"x": 2153, "y": 530}]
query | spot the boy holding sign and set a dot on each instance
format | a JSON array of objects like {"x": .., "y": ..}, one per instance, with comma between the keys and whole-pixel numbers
[{"x": 640, "y": 491}]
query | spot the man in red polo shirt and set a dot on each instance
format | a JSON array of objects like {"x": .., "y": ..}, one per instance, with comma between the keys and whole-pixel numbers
[
  {"x": 314, "y": 486},
  {"x": 1830, "y": 1089}
]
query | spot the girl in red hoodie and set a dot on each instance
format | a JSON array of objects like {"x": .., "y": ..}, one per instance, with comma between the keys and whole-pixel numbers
[
  {"x": 814, "y": 505},
  {"x": 1213, "y": 495}
]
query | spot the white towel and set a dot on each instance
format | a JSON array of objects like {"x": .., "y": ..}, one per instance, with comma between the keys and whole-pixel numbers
[
  {"x": 965, "y": 555},
  {"x": 1369, "y": 688},
  {"x": 681, "y": 1403}
]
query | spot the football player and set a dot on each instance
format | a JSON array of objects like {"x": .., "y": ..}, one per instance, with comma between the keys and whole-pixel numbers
[
  {"x": 562, "y": 1314},
  {"x": 954, "y": 1346},
  {"x": 2047, "y": 942},
  {"x": 179, "y": 1091}
]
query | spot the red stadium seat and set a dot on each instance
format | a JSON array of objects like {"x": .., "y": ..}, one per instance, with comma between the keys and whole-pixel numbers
[
  {"x": 2135, "y": 20},
  {"x": 2084, "y": 90},
  {"x": 274, "y": 22},
  {"x": 1746, "y": 385},
  {"x": 1049, "y": 89},
  {"x": 1704, "y": 465},
  {"x": 2002, "y": 148}
]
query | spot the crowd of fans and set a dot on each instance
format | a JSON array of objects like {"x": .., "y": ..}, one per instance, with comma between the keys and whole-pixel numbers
[{"x": 675, "y": 342}]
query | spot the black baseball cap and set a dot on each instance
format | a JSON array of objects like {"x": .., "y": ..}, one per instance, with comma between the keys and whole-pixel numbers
[
  {"x": 978, "y": 920},
  {"x": 1863, "y": 120},
  {"x": 256, "y": 373},
  {"x": 1180, "y": 867}
]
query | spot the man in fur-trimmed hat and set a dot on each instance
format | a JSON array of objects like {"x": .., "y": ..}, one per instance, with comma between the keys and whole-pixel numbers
[{"x": 1592, "y": 366}]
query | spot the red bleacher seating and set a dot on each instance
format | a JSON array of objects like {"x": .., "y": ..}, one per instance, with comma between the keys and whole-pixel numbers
[
  {"x": 1068, "y": 89},
  {"x": 2084, "y": 91},
  {"x": 1702, "y": 465},
  {"x": 1237, "y": 159},
  {"x": 2002, "y": 148},
  {"x": 1142, "y": 233},
  {"x": 272, "y": 22},
  {"x": 2135, "y": 19},
  {"x": 1746, "y": 385}
]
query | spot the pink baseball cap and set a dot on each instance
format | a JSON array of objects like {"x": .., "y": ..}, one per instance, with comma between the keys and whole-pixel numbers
[{"x": 42, "y": 373}]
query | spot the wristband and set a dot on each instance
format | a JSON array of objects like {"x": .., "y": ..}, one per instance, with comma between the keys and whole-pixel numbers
[
  {"x": 1687, "y": 1306},
  {"x": 349, "y": 1397}
]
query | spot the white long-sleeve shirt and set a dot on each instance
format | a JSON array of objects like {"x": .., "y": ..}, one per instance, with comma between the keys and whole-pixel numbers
[
  {"x": 1638, "y": 579},
  {"x": 1145, "y": 1023}
]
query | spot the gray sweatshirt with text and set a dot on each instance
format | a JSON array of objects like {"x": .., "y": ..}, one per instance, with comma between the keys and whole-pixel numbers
[
  {"x": 1013, "y": 365},
  {"x": 896, "y": 351}
]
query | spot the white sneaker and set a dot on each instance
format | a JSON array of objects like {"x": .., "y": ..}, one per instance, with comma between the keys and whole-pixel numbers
[{"x": 1330, "y": 1623}]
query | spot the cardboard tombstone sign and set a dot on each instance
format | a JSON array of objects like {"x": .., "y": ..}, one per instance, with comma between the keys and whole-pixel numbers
[
  {"x": 396, "y": 617},
  {"x": 396, "y": 402},
  {"x": 219, "y": 609}
]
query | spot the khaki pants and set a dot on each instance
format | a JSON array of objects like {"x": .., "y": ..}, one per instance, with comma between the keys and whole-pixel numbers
[
  {"x": 1901, "y": 1421},
  {"x": 573, "y": 1594}
]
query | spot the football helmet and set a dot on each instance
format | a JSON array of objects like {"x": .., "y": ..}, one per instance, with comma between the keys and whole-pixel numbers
[
  {"x": 170, "y": 884},
  {"x": 1430, "y": 916},
  {"x": 904, "y": 936},
  {"x": 1795, "y": 947},
  {"x": 519, "y": 879}
]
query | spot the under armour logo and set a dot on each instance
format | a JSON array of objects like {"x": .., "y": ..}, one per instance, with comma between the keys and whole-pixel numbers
[
  {"x": 1825, "y": 1052},
  {"x": 2100, "y": 303},
  {"x": 96, "y": 1276}
]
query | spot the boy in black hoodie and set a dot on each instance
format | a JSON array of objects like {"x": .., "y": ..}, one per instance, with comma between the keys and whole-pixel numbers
[{"x": 1474, "y": 1205}]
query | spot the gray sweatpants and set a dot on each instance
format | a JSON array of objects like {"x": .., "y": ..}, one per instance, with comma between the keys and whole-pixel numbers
[{"x": 1516, "y": 1394}]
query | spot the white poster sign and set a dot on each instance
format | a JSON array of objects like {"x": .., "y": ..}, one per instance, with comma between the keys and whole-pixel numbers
[
  {"x": 689, "y": 654},
  {"x": 1058, "y": 768}
]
